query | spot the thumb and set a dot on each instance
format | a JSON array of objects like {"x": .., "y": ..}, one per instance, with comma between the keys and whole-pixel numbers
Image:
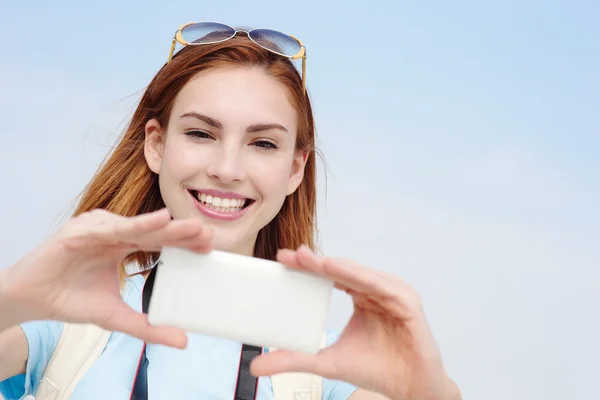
[
  {"x": 127, "y": 320},
  {"x": 280, "y": 361}
]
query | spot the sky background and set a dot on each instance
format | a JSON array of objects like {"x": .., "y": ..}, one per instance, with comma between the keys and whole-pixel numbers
[{"x": 461, "y": 141}]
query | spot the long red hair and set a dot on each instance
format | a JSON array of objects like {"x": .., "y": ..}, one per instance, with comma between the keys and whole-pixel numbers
[{"x": 125, "y": 185}]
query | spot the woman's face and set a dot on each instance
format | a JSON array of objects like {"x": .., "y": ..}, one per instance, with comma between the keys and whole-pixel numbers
[{"x": 228, "y": 155}]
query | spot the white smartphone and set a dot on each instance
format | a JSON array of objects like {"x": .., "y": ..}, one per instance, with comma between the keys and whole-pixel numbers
[{"x": 247, "y": 299}]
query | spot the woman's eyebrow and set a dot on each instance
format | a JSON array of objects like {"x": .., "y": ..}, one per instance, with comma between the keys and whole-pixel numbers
[
  {"x": 265, "y": 127},
  {"x": 204, "y": 118}
]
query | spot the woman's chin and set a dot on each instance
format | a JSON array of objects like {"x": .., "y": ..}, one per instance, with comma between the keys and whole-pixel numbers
[{"x": 223, "y": 243}]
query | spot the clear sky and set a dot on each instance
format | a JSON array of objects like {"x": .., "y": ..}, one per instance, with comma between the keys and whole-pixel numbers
[{"x": 461, "y": 140}]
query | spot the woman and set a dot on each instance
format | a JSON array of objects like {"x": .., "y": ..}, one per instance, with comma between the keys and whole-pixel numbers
[{"x": 219, "y": 154}]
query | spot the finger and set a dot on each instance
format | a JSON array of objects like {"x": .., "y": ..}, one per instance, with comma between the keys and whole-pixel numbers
[
  {"x": 197, "y": 239},
  {"x": 303, "y": 259},
  {"x": 125, "y": 319},
  {"x": 310, "y": 261},
  {"x": 359, "y": 279},
  {"x": 114, "y": 229},
  {"x": 128, "y": 227},
  {"x": 201, "y": 243},
  {"x": 290, "y": 259},
  {"x": 342, "y": 287},
  {"x": 281, "y": 361},
  {"x": 346, "y": 274},
  {"x": 104, "y": 227},
  {"x": 189, "y": 234},
  {"x": 355, "y": 277},
  {"x": 375, "y": 291},
  {"x": 174, "y": 230}
]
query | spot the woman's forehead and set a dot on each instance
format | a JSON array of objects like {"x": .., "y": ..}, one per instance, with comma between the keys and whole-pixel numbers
[{"x": 237, "y": 95}]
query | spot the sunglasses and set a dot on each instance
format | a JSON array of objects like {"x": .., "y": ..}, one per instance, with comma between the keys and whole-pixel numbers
[{"x": 198, "y": 33}]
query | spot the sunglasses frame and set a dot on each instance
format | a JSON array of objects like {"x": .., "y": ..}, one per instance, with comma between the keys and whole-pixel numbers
[{"x": 178, "y": 38}]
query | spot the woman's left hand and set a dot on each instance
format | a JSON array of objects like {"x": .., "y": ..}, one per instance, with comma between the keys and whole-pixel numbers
[{"x": 387, "y": 346}]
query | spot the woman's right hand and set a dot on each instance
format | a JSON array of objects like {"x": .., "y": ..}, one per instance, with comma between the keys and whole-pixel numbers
[{"x": 74, "y": 275}]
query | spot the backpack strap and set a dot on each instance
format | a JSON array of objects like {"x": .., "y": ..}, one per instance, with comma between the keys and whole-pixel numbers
[
  {"x": 80, "y": 345},
  {"x": 78, "y": 348},
  {"x": 298, "y": 385}
]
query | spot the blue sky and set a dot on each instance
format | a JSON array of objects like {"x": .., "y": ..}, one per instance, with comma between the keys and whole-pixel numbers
[{"x": 461, "y": 140}]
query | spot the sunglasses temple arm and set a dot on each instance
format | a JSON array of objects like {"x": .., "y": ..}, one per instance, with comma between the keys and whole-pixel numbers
[
  {"x": 304, "y": 72},
  {"x": 172, "y": 50}
]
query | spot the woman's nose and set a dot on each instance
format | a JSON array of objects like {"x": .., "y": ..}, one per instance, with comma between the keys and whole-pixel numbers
[{"x": 227, "y": 165}]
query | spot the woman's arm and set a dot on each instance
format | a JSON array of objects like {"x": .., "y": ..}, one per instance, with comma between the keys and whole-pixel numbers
[
  {"x": 13, "y": 344},
  {"x": 9, "y": 317},
  {"x": 13, "y": 352}
]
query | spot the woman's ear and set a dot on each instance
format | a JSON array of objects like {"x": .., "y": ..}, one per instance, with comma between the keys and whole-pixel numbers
[
  {"x": 153, "y": 145},
  {"x": 297, "y": 171}
]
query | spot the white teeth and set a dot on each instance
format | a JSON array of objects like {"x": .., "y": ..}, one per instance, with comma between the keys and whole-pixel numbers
[
  {"x": 223, "y": 209},
  {"x": 221, "y": 205}
]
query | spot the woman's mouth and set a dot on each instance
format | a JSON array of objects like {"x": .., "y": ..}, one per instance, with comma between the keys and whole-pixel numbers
[{"x": 220, "y": 207}]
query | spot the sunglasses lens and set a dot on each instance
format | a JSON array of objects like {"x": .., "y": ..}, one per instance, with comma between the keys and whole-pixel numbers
[
  {"x": 207, "y": 32},
  {"x": 275, "y": 41}
]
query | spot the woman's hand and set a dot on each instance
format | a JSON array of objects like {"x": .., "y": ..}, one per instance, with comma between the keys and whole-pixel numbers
[
  {"x": 74, "y": 276},
  {"x": 387, "y": 346}
]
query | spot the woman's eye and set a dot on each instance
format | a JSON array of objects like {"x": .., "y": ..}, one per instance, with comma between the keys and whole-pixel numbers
[
  {"x": 265, "y": 144},
  {"x": 199, "y": 134}
]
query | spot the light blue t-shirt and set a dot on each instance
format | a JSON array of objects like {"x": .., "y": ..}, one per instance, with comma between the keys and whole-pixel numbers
[{"x": 206, "y": 369}]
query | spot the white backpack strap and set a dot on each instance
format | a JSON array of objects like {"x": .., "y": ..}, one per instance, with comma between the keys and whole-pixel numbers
[
  {"x": 298, "y": 385},
  {"x": 77, "y": 350}
]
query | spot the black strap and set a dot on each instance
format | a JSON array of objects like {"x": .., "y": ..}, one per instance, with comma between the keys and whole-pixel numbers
[
  {"x": 140, "y": 384},
  {"x": 246, "y": 386}
]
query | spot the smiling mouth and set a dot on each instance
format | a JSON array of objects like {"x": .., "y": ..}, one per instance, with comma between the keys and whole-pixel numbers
[{"x": 221, "y": 205}]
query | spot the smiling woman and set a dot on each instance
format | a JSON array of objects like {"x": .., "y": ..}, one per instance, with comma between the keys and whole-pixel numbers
[
  {"x": 231, "y": 136},
  {"x": 218, "y": 155}
]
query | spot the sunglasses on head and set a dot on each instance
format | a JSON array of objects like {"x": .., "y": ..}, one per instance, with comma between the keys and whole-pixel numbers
[{"x": 198, "y": 33}]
